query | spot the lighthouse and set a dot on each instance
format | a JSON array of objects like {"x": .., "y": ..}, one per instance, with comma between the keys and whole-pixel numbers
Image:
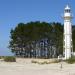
[{"x": 67, "y": 40}]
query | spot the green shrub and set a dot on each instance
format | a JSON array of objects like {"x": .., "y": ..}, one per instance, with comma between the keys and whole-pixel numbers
[
  {"x": 33, "y": 61},
  {"x": 44, "y": 62},
  {"x": 56, "y": 61},
  {"x": 71, "y": 60},
  {"x": 10, "y": 59},
  {"x": 0, "y": 57}
]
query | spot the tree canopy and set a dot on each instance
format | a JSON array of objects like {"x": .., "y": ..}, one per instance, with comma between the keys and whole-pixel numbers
[{"x": 37, "y": 39}]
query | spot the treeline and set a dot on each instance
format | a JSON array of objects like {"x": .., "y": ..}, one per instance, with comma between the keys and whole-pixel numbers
[{"x": 37, "y": 40}]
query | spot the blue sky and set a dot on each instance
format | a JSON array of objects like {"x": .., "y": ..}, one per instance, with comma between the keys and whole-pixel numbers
[{"x": 13, "y": 12}]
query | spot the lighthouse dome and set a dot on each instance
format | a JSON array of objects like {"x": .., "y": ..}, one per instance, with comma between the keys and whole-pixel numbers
[{"x": 67, "y": 7}]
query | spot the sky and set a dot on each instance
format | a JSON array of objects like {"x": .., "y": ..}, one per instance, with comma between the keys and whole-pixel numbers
[{"x": 13, "y": 12}]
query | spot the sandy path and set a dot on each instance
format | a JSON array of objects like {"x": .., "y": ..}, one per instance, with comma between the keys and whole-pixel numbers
[{"x": 27, "y": 68}]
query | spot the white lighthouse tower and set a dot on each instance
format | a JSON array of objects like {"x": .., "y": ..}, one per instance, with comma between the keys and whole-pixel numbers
[{"x": 67, "y": 33}]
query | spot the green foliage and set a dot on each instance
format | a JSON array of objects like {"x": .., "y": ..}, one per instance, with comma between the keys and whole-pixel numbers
[
  {"x": 33, "y": 61},
  {"x": 24, "y": 38},
  {"x": 10, "y": 59},
  {"x": 71, "y": 60},
  {"x": 73, "y": 37},
  {"x": 44, "y": 62},
  {"x": 0, "y": 57}
]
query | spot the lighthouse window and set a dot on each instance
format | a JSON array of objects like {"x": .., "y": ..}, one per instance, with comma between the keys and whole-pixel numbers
[{"x": 67, "y": 10}]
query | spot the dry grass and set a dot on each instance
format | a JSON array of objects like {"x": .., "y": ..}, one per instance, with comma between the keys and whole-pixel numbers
[{"x": 44, "y": 61}]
